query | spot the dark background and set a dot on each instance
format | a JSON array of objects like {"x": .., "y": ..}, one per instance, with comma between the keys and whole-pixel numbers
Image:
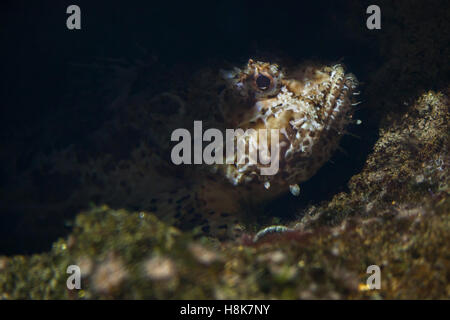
[{"x": 38, "y": 49}]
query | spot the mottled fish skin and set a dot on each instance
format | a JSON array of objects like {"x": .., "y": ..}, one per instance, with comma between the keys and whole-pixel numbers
[{"x": 310, "y": 105}]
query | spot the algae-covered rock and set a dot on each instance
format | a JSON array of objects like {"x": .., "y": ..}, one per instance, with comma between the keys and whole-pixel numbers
[
  {"x": 116, "y": 250},
  {"x": 396, "y": 216}
]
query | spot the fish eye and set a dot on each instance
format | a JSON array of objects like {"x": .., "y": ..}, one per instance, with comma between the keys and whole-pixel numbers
[{"x": 263, "y": 82}]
